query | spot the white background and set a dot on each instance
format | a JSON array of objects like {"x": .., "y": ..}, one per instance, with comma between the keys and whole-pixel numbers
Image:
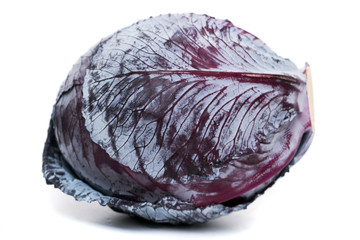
[{"x": 318, "y": 199}]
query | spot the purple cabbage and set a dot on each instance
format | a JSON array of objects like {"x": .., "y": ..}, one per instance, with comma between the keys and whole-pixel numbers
[{"x": 179, "y": 119}]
